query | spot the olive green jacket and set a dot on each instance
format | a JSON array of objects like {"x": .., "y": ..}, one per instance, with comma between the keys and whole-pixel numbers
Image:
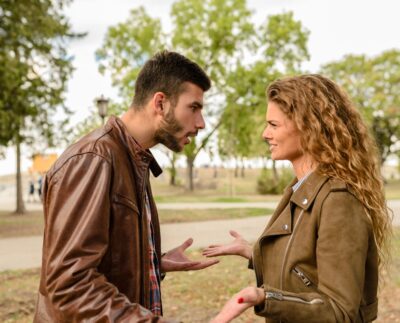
[{"x": 317, "y": 259}]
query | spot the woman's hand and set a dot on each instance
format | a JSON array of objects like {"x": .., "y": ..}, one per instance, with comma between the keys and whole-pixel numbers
[
  {"x": 238, "y": 247},
  {"x": 240, "y": 302}
]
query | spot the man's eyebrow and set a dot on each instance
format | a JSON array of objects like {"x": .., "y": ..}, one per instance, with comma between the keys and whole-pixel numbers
[{"x": 197, "y": 104}]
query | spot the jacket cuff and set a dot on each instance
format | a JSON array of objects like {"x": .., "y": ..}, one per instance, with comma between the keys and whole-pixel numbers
[
  {"x": 250, "y": 264},
  {"x": 162, "y": 274}
]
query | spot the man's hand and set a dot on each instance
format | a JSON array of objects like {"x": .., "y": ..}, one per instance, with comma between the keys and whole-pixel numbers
[
  {"x": 238, "y": 247},
  {"x": 176, "y": 260},
  {"x": 246, "y": 298}
]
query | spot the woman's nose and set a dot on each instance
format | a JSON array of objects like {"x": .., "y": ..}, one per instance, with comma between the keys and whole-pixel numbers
[{"x": 266, "y": 133}]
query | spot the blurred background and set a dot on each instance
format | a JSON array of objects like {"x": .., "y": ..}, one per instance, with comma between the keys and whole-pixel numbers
[{"x": 66, "y": 66}]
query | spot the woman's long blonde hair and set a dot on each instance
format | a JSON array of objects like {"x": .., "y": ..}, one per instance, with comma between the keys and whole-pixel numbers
[{"x": 336, "y": 137}]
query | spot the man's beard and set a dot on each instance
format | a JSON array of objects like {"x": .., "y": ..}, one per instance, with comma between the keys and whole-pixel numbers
[{"x": 166, "y": 134}]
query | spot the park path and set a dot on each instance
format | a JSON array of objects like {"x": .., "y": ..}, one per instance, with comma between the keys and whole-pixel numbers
[{"x": 25, "y": 252}]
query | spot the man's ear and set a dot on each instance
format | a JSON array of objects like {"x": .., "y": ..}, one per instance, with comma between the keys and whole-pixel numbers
[{"x": 158, "y": 102}]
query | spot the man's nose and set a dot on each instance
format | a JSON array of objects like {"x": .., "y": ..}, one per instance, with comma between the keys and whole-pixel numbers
[{"x": 200, "y": 123}]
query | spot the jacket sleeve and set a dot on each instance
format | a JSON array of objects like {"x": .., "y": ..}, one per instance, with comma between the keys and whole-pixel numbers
[
  {"x": 77, "y": 204},
  {"x": 341, "y": 251}
]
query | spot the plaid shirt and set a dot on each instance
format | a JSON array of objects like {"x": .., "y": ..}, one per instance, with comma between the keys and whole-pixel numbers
[{"x": 155, "y": 294}]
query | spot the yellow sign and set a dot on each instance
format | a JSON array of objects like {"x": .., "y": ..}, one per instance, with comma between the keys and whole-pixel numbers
[{"x": 42, "y": 163}]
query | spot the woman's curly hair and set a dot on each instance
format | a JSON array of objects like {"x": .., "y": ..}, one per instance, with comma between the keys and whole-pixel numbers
[{"x": 335, "y": 136}]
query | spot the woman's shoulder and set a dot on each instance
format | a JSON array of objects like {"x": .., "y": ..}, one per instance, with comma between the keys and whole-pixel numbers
[{"x": 337, "y": 194}]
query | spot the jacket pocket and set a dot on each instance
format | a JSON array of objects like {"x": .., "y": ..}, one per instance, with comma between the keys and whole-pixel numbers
[
  {"x": 120, "y": 199},
  {"x": 302, "y": 276}
]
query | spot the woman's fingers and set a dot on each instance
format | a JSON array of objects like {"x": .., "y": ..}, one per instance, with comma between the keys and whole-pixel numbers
[
  {"x": 234, "y": 234},
  {"x": 212, "y": 252},
  {"x": 214, "y": 246}
]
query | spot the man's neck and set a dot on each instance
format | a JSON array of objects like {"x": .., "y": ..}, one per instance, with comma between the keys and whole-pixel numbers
[{"x": 139, "y": 126}]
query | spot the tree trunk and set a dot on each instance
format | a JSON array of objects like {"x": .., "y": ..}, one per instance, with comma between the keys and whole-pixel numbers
[
  {"x": 231, "y": 182},
  {"x": 242, "y": 169},
  {"x": 172, "y": 171},
  {"x": 189, "y": 185},
  {"x": 20, "y": 207},
  {"x": 275, "y": 172}
]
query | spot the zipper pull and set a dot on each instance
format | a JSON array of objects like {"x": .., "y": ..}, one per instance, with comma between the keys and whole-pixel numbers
[
  {"x": 274, "y": 295},
  {"x": 300, "y": 274}
]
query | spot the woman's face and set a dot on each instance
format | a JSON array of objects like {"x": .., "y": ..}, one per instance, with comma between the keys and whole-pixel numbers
[{"x": 282, "y": 135}]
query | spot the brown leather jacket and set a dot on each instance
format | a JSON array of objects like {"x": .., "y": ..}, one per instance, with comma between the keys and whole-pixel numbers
[
  {"x": 95, "y": 264},
  {"x": 317, "y": 257}
]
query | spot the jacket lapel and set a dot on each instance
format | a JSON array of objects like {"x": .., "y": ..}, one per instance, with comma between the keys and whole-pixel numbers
[{"x": 281, "y": 215}]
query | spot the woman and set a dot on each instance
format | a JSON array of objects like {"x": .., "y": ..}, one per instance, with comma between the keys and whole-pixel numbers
[{"x": 318, "y": 258}]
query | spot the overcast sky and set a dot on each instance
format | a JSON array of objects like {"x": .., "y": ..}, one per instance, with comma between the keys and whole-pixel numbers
[{"x": 337, "y": 27}]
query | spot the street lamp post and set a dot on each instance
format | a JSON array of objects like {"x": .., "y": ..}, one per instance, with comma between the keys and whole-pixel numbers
[{"x": 102, "y": 105}]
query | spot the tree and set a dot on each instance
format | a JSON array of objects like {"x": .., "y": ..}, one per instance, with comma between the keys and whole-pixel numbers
[
  {"x": 373, "y": 83},
  {"x": 127, "y": 46},
  {"x": 280, "y": 49},
  {"x": 34, "y": 70}
]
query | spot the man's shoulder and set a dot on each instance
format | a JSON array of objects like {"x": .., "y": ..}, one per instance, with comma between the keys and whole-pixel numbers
[{"x": 99, "y": 143}]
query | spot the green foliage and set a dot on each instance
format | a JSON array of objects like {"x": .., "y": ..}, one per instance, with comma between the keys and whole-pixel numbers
[
  {"x": 215, "y": 33},
  {"x": 267, "y": 183},
  {"x": 34, "y": 69},
  {"x": 281, "y": 47},
  {"x": 373, "y": 83},
  {"x": 127, "y": 46},
  {"x": 283, "y": 42}
]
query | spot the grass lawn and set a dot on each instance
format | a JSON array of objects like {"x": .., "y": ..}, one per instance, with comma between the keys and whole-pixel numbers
[
  {"x": 12, "y": 225},
  {"x": 190, "y": 296},
  {"x": 392, "y": 189},
  {"x": 29, "y": 224},
  {"x": 190, "y": 215}
]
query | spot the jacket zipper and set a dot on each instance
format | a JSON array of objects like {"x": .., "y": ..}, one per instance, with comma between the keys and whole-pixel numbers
[
  {"x": 303, "y": 277},
  {"x": 288, "y": 247},
  {"x": 281, "y": 297}
]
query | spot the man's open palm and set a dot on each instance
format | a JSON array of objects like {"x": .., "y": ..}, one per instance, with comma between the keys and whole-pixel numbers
[{"x": 176, "y": 260}]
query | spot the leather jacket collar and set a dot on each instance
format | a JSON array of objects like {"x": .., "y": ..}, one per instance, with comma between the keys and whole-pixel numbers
[{"x": 142, "y": 157}]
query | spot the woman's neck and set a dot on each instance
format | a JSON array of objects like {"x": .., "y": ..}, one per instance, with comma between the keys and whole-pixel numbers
[{"x": 303, "y": 166}]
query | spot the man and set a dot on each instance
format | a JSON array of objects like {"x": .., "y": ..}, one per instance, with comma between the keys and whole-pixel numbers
[{"x": 102, "y": 253}]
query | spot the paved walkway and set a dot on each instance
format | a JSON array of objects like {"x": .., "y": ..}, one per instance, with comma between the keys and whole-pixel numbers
[{"x": 25, "y": 252}]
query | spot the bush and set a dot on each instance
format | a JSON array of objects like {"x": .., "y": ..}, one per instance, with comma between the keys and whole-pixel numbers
[{"x": 266, "y": 184}]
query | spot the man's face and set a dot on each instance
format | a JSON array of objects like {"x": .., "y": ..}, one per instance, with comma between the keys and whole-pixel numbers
[{"x": 183, "y": 120}]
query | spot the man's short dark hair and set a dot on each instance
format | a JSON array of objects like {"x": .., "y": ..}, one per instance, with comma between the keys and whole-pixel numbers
[{"x": 166, "y": 72}]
